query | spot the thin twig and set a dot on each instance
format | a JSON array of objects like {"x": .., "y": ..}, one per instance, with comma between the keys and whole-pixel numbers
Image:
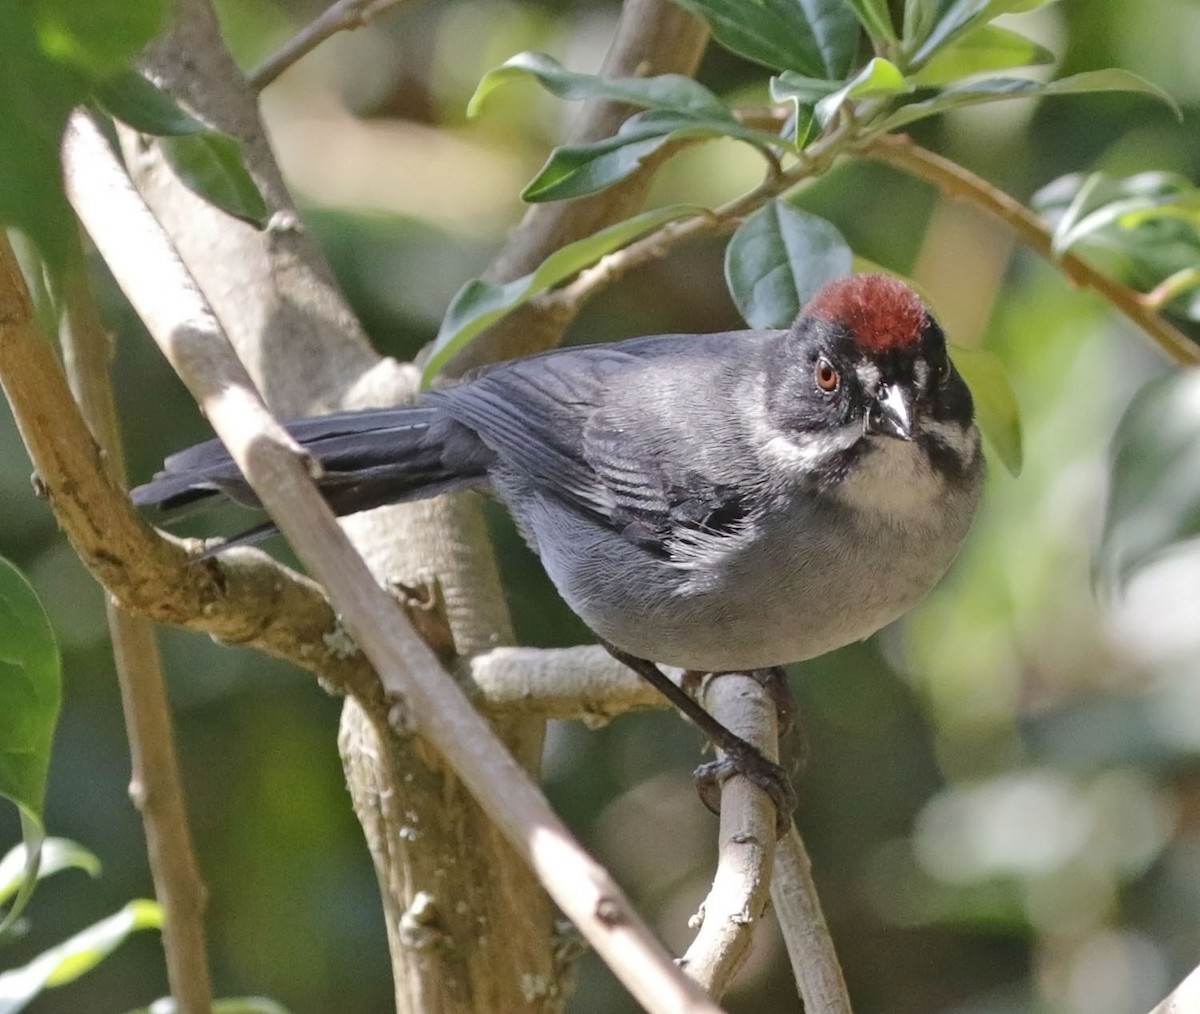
[
  {"x": 155, "y": 784},
  {"x": 164, "y": 295},
  {"x": 958, "y": 183},
  {"x": 805, "y": 934},
  {"x": 341, "y": 16}
]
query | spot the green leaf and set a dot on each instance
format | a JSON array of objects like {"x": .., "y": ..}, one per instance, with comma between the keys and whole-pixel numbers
[
  {"x": 996, "y": 410},
  {"x": 75, "y": 956},
  {"x": 210, "y": 164},
  {"x": 875, "y": 17},
  {"x": 667, "y": 91},
  {"x": 812, "y": 37},
  {"x": 1154, "y": 491},
  {"x": 579, "y": 170},
  {"x": 30, "y": 691},
  {"x": 98, "y": 36},
  {"x": 133, "y": 99},
  {"x": 996, "y": 89},
  {"x": 933, "y": 25},
  {"x": 878, "y": 77},
  {"x": 58, "y": 854},
  {"x": 36, "y": 96},
  {"x": 479, "y": 304},
  {"x": 986, "y": 49},
  {"x": 778, "y": 260}
]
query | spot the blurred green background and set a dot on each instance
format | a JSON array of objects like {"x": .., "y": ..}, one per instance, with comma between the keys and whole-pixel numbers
[{"x": 1002, "y": 796}]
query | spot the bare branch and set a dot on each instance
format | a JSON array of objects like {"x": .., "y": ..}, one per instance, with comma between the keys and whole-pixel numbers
[
  {"x": 585, "y": 683},
  {"x": 421, "y": 693},
  {"x": 741, "y": 886},
  {"x": 341, "y": 16},
  {"x": 155, "y": 784},
  {"x": 805, "y": 933},
  {"x": 958, "y": 183}
]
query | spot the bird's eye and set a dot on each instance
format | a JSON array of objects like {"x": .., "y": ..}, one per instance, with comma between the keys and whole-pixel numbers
[
  {"x": 943, "y": 370},
  {"x": 826, "y": 376}
]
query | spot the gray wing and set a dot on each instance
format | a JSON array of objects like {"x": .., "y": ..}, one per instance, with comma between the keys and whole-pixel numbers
[{"x": 560, "y": 423}]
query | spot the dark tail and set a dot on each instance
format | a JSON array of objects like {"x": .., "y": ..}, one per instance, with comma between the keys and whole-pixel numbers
[{"x": 368, "y": 459}]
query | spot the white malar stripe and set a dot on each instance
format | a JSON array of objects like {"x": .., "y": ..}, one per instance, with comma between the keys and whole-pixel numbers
[{"x": 804, "y": 455}]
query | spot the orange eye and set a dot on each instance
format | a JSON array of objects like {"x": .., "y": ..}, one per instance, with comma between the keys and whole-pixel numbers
[{"x": 826, "y": 376}]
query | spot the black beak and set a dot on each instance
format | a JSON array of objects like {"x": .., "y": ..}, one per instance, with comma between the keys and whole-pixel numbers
[{"x": 891, "y": 414}]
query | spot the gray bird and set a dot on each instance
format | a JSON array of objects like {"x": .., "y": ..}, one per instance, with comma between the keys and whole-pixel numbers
[{"x": 721, "y": 502}]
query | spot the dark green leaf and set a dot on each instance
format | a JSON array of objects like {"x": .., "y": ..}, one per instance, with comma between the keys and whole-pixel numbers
[
  {"x": 578, "y": 170},
  {"x": 777, "y": 261},
  {"x": 138, "y": 102},
  {"x": 816, "y": 38},
  {"x": 875, "y": 17},
  {"x": 996, "y": 89},
  {"x": 668, "y": 91},
  {"x": 98, "y": 36},
  {"x": 986, "y": 49},
  {"x": 30, "y": 691},
  {"x": 211, "y": 165},
  {"x": 30, "y": 697},
  {"x": 1154, "y": 491},
  {"x": 75, "y": 956},
  {"x": 480, "y": 304},
  {"x": 996, "y": 410}
]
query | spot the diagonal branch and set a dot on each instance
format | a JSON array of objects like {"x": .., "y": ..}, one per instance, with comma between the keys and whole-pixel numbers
[
  {"x": 417, "y": 688},
  {"x": 958, "y": 183},
  {"x": 342, "y": 16},
  {"x": 245, "y": 598}
]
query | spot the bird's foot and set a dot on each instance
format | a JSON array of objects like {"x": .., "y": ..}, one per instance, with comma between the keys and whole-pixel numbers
[{"x": 743, "y": 759}]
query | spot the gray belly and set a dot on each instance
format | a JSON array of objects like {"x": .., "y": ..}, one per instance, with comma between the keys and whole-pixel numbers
[{"x": 766, "y": 602}]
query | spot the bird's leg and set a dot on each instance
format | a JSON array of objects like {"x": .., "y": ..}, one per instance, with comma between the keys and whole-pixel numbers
[{"x": 740, "y": 757}]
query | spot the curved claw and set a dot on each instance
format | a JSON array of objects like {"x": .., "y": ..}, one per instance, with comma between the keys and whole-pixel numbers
[{"x": 767, "y": 775}]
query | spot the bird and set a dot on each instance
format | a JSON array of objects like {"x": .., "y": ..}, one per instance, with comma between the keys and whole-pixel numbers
[{"x": 725, "y": 502}]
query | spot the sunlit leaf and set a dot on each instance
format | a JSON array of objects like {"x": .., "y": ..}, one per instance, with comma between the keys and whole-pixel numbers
[
  {"x": 138, "y": 102},
  {"x": 984, "y": 50},
  {"x": 667, "y": 91},
  {"x": 579, "y": 170},
  {"x": 480, "y": 304},
  {"x": 210, "y": 164},
  {"x": 75, "y": 956},
  {"x": 778, "y": 260},
  {"x": 1154, "y": 489},
  {"x": 878, "y": 77},
  {"x": 58, "y": 854},
  {"x": 812, "y": 37},
  {"x": 996, "y": 89},
  {"x": 996, "y": 410}
]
